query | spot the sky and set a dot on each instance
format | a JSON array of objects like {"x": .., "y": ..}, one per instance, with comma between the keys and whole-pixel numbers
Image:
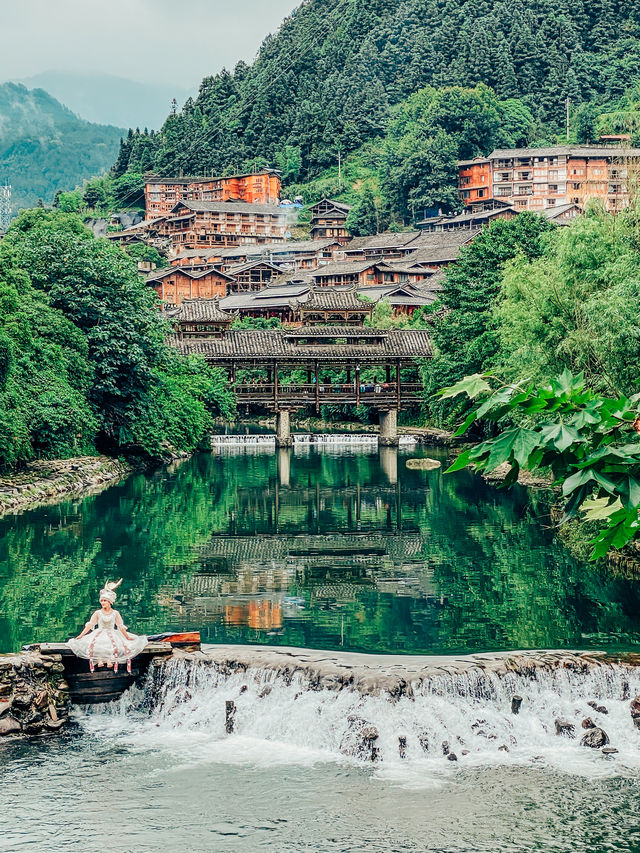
[{"x": 163, "y": 41}]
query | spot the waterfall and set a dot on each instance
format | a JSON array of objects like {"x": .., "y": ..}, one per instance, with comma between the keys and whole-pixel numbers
[
  {"x": 264, "y": 714},
  {"x": 303, "y": 440}
]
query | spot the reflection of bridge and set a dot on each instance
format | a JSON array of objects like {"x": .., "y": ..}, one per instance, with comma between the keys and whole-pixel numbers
[{"x": 316, "y": 350}]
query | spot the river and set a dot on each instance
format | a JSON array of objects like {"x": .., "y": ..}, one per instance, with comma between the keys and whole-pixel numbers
[{"x": 340, "y": 547}]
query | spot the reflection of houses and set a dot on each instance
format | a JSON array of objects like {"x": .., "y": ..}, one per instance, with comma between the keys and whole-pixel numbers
[
  {"x": 328, "y": 219},
  {"x": 175, "y": 284},
  {"x": 260, "y": 615}
]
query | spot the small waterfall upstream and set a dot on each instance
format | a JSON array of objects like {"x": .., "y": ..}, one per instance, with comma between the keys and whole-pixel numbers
[
  {"x": 266, "y": 716},
  {"x": 249, "y": 443}
]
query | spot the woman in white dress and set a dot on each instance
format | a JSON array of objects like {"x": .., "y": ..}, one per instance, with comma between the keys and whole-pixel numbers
[{"x": 109, "y": 643}]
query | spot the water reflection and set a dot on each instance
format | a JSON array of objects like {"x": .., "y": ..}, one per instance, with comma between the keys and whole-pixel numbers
[{"x": 318, "y": 547}]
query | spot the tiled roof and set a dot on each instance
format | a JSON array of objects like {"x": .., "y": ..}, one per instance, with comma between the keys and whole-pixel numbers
[
  {"x": 230, "y": 207},
  {"x": 336, "y": 299},
  {"x": 565, "y": 150},
  {"x": 396, "y": 294},
  {"x": 248, "y": 265},
  {"x": 158, "y": 275},
  {"x": 339, "y": 204},
  {"x": 386, "y": 240},
  {"x": 193, "y": 310},
  {"x": 342, "y": 268},
  {"x": 438, "y": 246},
  {"x": 467, "y": 216},
  {"x": 406, "y": 344}
]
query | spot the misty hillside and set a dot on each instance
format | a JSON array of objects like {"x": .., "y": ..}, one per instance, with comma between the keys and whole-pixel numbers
[
  {"x": 44, "y": 146},
  {"x": 108, "y": 99}
]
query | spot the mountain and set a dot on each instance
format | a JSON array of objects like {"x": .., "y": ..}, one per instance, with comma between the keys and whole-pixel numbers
[
  {"x": 44, "y": 146},
  {"x": 108, "y": 99},
  {"x": 333, "y": 75}
]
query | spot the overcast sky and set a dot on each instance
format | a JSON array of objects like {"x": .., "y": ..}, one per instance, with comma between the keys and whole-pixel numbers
[{"x": 163, "y": 41}]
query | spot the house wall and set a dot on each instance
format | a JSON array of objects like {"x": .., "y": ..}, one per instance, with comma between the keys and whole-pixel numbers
[{"x": 175, "y": 287}]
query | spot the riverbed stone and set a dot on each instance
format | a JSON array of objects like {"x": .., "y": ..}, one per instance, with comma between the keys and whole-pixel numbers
[
  {"x": 635, "y": 711},
  {"x": 565, "y": 728},
  {"x": 452, "y": 757},
  {"x": 601, "y": 709},
  {"x": 516, "y": 702},
  {"x": 609, "y": 750},
  {"x": 9, "y": 725},
  {"x": 595, "y": 738},
  {"x": 588, "y": 723}
]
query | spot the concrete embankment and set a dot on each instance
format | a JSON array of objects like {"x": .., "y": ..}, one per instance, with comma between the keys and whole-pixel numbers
[
  {"x": 47, "y": 482},
  {"x": 33, "y": 694}
]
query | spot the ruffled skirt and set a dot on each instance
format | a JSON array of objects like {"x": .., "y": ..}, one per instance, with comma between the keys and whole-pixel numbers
[{"x": 107, "y": 645}]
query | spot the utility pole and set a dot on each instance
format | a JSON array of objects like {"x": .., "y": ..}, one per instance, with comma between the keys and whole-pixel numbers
[
  {"x": 5, "y": 206},
  {"x": 568, "y": 104}
]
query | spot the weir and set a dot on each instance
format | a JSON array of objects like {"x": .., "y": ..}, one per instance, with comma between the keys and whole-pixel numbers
[{"x": 566, "y": 709}]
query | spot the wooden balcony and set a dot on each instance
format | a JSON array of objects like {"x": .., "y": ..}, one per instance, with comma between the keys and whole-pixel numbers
[{"x": 282, "y": 396}]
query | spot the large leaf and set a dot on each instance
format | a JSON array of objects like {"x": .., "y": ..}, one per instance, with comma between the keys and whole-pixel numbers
[
  {"x": 472, "y": 386},
  {"x": 461, "y": 462},
  {"x": 525, "y": 443},
  {"x": 580, "y": 478},
  {"x": 502, "y": 447},
  {"x": 600, "y": 508}
]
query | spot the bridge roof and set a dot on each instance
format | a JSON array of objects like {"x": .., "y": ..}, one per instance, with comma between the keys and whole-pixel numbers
[{"x": 325, "y": 343}]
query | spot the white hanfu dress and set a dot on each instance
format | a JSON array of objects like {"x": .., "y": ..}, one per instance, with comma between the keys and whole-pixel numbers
[{"x": 105, "y": 644}]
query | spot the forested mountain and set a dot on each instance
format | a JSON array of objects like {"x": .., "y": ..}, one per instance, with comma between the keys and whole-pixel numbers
[
  {"x": 45, "y": 147},
  {"x": 333, "y": 75}
]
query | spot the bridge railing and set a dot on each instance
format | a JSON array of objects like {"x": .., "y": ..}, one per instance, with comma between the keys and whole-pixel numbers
[{"x": 305, "y": 393}]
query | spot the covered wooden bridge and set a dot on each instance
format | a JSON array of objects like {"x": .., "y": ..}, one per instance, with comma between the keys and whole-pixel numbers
[{"x": 315, "y": 351}]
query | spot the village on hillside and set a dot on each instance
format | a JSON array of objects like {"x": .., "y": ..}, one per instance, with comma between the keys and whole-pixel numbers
[{"x": 230, "y": 252}]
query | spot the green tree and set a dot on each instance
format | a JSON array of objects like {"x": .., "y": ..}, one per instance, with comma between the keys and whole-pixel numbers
[{"x": 363, "y": 218}]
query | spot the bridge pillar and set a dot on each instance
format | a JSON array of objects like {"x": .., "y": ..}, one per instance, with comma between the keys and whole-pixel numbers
[
  {"x": 389, "y": 428},
  {"x": 283, "y": 428}
]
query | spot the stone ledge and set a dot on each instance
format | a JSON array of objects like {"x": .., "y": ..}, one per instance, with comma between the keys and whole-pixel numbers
[
  {"x": 46, "y": 482},
  {"x": 33, "y": 695}
]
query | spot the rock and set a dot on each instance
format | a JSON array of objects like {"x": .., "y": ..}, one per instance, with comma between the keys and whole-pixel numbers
[
  {"x": 265, "y": 691},
  {"x": 516, "y": 702},
  {"x": 445, "y": 747},
  {"x": 5, "y": 706},
  {"x": 402, "y": 746},
  {"x": 452, "y": 757},
  {"x": 423, "y": 740},
  {"x": 565, "y": 728},
  {"x": 8, "y": 726},
  {"x": 230, "y": 713},
  {"x": 423, "y": 464},
  {"x": 626, "y": 692},
  {"x": 6, "y": 687},
  {"x": 54, "y": 725},
  {"x": 244, "y": 688},
  {"x": 465, "y": 752},
  {"x": 503, "y": 748},
  {"x": 599, "y": 708},
  {"x": 588, "y": 723},
  {"x": 609, "y": 750},
  {"x": 635, "y": 707},
  {"x": 24, "y": 696},
  {"x": 595, "y": 738}
]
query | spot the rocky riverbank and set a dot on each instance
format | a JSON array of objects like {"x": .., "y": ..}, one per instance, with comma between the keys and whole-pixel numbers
[
  {"x": 47, "y": 482},
  {"x": 33, "y": 694}
]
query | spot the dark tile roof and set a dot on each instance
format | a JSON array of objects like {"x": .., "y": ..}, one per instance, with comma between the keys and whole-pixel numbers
[
  {"x": 406, "y": 344},
  {"x": 438, "y": 246},
  {"x": 565, "y": 150},
  {"x": 193, "y": 310},
  {"x": 335, "y": 299},
  {"x": 248, "y": 265},
  {"x": 342, "y": 268},
  {"x": 340, "y": 205},
  {"x": 158, "y": 275},
  {"x": 386, "y": 240}
]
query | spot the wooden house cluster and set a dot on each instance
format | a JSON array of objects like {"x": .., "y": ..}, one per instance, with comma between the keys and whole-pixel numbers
[
  {"x": 538, "y": 179},
  {"x": 162, "y": 194}
]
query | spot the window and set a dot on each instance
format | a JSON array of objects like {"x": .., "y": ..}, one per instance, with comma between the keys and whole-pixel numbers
[
  {"x": 551, "y": 202},
  {"x": 553, "y": 188},
  {"x": 481, "y": 193}
]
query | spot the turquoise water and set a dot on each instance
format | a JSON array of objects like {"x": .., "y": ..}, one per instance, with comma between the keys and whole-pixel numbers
[{"x": 313, "y": 547}]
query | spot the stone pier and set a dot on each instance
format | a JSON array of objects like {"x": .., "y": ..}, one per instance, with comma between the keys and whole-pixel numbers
[
  {"x": 283, "y": 428},
  {"x": 389, "y": 428}
]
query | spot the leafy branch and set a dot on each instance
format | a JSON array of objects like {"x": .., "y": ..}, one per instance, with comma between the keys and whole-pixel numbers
[{"x": 588, "y": 441}]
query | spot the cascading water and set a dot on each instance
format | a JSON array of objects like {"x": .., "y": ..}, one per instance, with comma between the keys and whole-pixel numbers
[
  {"x": 219, "y": 442},
  {"x": 408, "y": 739}
]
